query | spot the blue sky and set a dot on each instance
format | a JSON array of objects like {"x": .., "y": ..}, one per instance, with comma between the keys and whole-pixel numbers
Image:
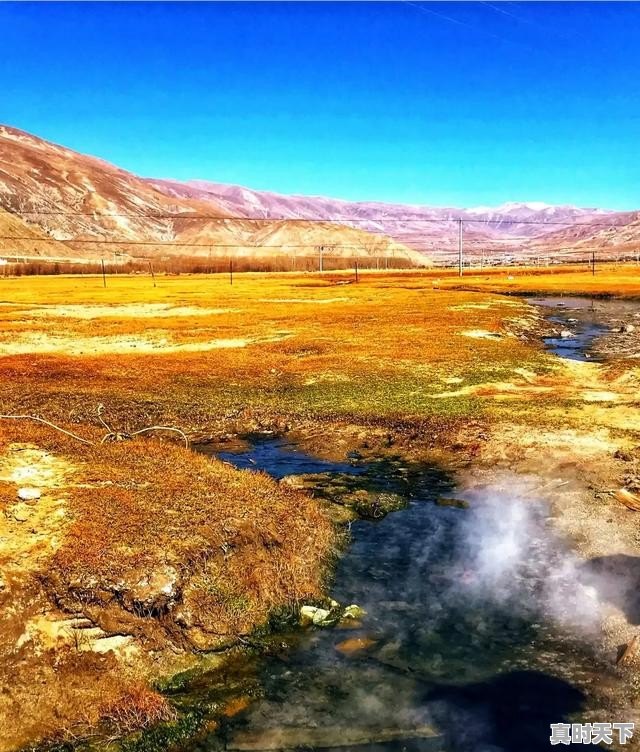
[{"x": 438, "y": 103}]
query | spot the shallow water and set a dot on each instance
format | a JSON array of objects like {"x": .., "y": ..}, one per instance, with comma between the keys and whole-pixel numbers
[
  {"x": 588, "y": 319},
  {"x": 483, "y": 624},
  {"x": 482, "y": 627}
]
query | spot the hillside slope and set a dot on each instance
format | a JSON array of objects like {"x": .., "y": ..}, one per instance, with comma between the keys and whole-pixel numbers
[
  {"x": 17, "y": 238},
  {"x": 99, "y": 209}
]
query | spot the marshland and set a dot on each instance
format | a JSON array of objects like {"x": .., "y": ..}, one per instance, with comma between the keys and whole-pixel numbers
[{"x": 393, "y": 512}]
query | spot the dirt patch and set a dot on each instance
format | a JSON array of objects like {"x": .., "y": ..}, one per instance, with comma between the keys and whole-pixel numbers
[
  {"x": 48, "y": 342},
  {"x": 481, "y": 334},
  {"x": 311, "y": 301},
  {"x": 30, "y": 532},
  {"x": 146, "y": 310}
]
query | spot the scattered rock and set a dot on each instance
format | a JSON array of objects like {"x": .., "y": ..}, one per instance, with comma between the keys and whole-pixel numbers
[
  {"x": 319, "y": 617},
  {"x": 629, "y": 328},
  {"x": 445, "y": 501},
  {"x": 565, "y": 334},
  {"x": 29, "y": 494},
  {"x": 329, "y": 617}
]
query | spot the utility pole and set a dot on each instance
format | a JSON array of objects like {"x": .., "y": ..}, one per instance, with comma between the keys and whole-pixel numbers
[
  {"x": 460, "y": 248},
  {"x": 593, "y": 262},
  {"x": 104, "y": 276},
  {"x": 153, "y": 276},
  {"x": 321, "y": 265},
  {"x": 356, "y": 263},
  {"x": 230, "y": 271}
]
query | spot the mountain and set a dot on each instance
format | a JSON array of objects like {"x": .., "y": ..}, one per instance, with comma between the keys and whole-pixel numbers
[
  {"x": 56, "y": 202},
  {"x": 73, "y": 203},
  {"x": 511, "y": 227}
]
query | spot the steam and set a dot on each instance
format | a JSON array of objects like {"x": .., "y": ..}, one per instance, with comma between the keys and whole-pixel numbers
[{"x": 515, "y": 559}]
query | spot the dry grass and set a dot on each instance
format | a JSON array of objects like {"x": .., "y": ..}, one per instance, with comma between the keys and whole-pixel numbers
[
  {"x": 609, "y": 280},
  {"x": 162, "y": 544},
  {"x": 312, "y": 348},
  {"x": 136, "y": 707},
  {"x": 156, "y": 542}
]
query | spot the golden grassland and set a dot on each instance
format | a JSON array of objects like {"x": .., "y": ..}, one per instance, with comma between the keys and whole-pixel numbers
[
  {"x": 609, "y": 280},
  {"x": 286, "y": 345},
  {"x": 158, "y": 546}
]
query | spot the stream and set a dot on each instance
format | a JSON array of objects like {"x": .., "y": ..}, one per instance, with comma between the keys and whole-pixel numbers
[{"x": 479, "y": 632}]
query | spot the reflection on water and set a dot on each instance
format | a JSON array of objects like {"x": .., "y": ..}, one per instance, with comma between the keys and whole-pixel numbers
[{"x": 478, "y": 624}]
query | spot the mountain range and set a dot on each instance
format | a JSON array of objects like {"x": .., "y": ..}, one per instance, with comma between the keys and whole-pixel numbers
[{"x": 58, "y": 203}]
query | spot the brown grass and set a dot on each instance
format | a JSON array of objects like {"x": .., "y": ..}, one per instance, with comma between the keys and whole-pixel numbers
[{"x": 136, "y": 707}]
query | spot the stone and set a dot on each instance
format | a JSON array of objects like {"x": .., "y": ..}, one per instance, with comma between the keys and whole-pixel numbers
[
  {"x": 565, "y": 334},
  {"x": 354, "y": 612},
  {"x": 630, "y": 653},
  {"x": 318, "y": 617},
  {"x": 445, "y": 501},
  {"x": 29, "y": 494},
  {"x": 354, "y": 645},
  {"x": 629, "y": 328}
]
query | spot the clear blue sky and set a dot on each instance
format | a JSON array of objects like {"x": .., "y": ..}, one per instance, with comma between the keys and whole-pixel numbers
[{"x": 438, "y": 103}]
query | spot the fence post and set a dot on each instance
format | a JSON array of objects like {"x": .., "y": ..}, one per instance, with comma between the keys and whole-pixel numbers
[
  {"x": 593, "y": 262},
  {"x": 356, "y": 265},
  {"x": 104, "y": 276},
  {"x": 153, "y": 276},
  {"x": 230, "y": 271}
]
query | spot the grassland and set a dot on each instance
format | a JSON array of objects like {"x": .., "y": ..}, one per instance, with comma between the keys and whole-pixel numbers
[{"x": 141, "y": 552}]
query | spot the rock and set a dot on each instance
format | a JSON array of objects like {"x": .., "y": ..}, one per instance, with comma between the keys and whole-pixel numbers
[
  {"x": 445, "y": 501},
  {"x": 354, "y": 612},
  {"x": 630, "y": 652},
  {"x": 319, "y": 617},
  {"x": 629, "y": 328},
  {"x": 565, "y": 334},
  {"x": 355, "y": 645},
  {"x": 29, "y": 494}
]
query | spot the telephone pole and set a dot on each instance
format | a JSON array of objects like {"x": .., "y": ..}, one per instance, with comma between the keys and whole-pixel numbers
[{"x": 460, "y": 248}]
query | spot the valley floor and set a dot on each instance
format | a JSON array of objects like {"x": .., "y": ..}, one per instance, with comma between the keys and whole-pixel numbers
[{"x": 139, "y": 555}]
